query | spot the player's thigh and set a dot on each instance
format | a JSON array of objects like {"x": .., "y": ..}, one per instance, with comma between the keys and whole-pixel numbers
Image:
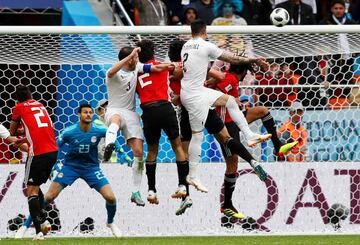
[
  {"x": 65, "y": 175},
  {"x": 213, "y": 123},
  {"x": 169, "y": 123},
  {"x": 114, "y": 115},
  {"x": 94, "y": 177},
  {"x": 38, "y": 168},
  {"x": 215, "y": 97},
  {"x": 151, "y": 118},
  {"x": 131, "y": 126}
]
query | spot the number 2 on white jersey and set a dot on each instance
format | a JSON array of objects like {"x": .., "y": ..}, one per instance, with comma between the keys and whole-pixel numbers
[
  {"x": 141, "y": 81},
  {"x": 41, "y": 112}
]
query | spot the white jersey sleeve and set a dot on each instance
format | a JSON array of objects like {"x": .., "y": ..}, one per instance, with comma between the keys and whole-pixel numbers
[
  {"x": 4, "y": 133},
  {"x": 214, "y": 51}
]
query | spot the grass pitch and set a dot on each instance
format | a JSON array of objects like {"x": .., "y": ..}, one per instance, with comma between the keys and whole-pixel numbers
[{"x": 268, "y": 240}]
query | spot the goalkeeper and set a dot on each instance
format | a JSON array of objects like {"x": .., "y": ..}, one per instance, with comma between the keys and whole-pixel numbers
[{"x": 81, "y": 161}]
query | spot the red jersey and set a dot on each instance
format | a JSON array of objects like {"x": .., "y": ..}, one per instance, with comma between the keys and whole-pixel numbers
[
  {"x": 38, "y": 126},
  {"x": 229, "y": 85},
  {"x": 154, "y": 86},
  {"x": 175, "y": 84}
]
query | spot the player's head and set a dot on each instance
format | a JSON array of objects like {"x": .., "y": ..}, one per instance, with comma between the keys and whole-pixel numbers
[
  {"x": 22, "y": 93},
  {"x": 85, "y": 113},
  {"x": 198, "y": 28},
  {"x": 240, "y": 70},
  {"x": 174, "y": 52},
  {"x": 126, "y": 51},
  {"x": 147, "y": 50}
]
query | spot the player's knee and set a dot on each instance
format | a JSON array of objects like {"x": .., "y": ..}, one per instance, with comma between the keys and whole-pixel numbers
[
  {"x": 138, "y": 152},
  {"x": 111, "y": 199},
  {"x": 263, "y": 111},
  {"x": 50, "y": 197}
]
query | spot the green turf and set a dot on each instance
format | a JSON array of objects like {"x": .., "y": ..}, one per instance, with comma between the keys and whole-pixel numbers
[{"x": 276, "y": 240}]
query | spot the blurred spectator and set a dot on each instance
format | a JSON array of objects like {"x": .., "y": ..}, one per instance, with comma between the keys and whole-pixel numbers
[
  {"x": 339, "y": 66},
  {"x": 150, "y": 12},
  {"x": 225, "y": 10},
  {"x": 175, "y": 10},
  {"x": 275, "y": 75},
  {"x": 205, "y": 10},
  {"x": 190, "y": 14},
  {"x": 300, "y": 13},
  {"x": 294, "y": 130},
  {"x": 354, "y": 9},
  {"x": 312, "y": 3},
  {"x": 257, "y": 12}
]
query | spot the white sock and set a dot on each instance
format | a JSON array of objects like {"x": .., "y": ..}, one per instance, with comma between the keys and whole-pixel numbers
[
  {"x": 111, "y": 133},
  {"x": 137, "y": 172},
  {"x": 195, "y": 152},
  {"x": 238, "y": 117}
]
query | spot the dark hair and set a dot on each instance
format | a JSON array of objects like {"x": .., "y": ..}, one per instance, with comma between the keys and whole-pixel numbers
[
  {"x": 342, "y": 2},
  {"x": 198, "y": 26},
  {"x": 84, "y": 106},
  {"x": 238, "y": 69},
  {"x": 186, "y": 10},
  {"x": 147, "y": 50},
  {"x": 124, "y": 52},
  {"x": 22, "y": 93},
  {"x": 174, "y": 52}
]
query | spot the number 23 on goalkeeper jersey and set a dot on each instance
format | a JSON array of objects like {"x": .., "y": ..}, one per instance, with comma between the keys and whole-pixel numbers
[{"x": 82, "y": 146}]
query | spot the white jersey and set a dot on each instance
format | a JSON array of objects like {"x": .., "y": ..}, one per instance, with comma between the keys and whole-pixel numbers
[
  {"x": 4, "y": 133},
  {"x": 121, "y": 88},
  {"x": 196, "y": 55}
]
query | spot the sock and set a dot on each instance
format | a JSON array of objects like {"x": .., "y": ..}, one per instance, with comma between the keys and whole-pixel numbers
[
  {"x": 111, "y": 133},
  {"x": 238, "y": 148},
  {"x": 151, "y": 174},
  {"x": 36, "y": 212},
  {"x": 28, "y": 222},
  {"x": 183, "y": 171},
  {"x": 137, "y": 170},
  {"x": 269, "y": 124},
  {"x": 111, "y": 210},
  {"x": 195, "y": 152},
  {"x": 238, "y": 117},
  {"x": 43, "y": 204},
  {"x": 229, "y": 187}
]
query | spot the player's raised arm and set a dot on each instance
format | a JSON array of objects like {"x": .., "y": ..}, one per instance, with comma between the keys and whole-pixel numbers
[
  {"x": 235, "y": 59},
  {"x": 115, "y": 68},
  {"x": 162, "y": 67}
]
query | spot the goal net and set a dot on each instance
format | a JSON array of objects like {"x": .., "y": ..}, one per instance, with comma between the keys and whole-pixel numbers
[{"x": 317, "y": 66}]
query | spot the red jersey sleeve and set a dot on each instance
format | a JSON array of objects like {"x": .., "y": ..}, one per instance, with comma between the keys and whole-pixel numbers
[{"x": 16, "y": 115}]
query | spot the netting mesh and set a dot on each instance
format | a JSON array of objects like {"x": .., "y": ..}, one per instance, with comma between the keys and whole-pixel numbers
[{"x": 319, "y": 70}]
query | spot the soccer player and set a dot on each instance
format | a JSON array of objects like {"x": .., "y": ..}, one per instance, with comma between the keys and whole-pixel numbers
[
  {"x": 81, "y": 161},
  {"x": 215, "y": 126},
  {"x": 42, "y": 153},
  {"x": 159, "y": 114},
  {"x": 121, "y": 81},
  {"x": 230, "y": 85},
  {"x": 196, "y": 54}
]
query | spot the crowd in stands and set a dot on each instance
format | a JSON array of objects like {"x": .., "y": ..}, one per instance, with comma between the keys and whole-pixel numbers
[
  {"x": 325, "y": 70},
  {"x": 236, "y": 12}
]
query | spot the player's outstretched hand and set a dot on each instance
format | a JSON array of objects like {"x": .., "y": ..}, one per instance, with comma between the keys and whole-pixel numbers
[
  {"x": 260, "y": 61},
  {"x": 135, "y": 51}
]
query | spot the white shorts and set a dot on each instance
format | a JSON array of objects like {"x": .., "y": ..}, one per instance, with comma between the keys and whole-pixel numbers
[
  {"x": 198, "y": 105},
  {"x": 130, "y": 122}
]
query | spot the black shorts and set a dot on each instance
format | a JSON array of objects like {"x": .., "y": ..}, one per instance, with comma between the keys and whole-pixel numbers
[
  {"x": 213, "y": 124},
  {"x": 38, "y": 168},
  {"x": 234, "y": 131},
  {"x": 156, "y": 117}
]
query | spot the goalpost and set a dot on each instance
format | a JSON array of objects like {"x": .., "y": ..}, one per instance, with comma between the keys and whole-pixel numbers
[{"x": 65, "y": 66}]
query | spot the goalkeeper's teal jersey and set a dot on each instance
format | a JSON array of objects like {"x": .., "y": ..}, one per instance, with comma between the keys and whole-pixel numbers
[{"x": 82, "y": 151}]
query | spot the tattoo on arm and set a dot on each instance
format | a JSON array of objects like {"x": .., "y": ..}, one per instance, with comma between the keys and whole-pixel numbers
[{"x": 233, "y": 58}]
